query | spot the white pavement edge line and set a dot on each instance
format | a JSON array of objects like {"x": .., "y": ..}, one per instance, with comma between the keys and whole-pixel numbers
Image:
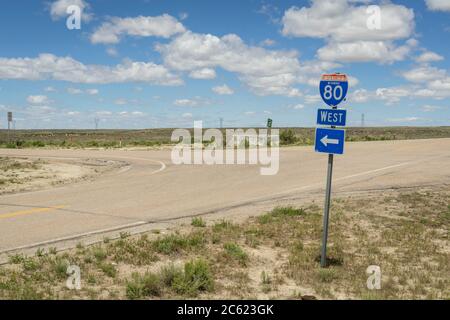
[
  {"x": 318, "y": 184},
  {"x": 83, "y": 235},
  {"x": 75, "y": 236}
]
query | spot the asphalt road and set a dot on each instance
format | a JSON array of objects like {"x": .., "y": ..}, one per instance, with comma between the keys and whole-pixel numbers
[{"x": 153, "y": 189}]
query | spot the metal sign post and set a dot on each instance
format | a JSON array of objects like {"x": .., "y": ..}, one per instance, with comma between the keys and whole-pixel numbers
[
  {"x": 326, "y": 212},
  {"x": 333, "y": 89}
]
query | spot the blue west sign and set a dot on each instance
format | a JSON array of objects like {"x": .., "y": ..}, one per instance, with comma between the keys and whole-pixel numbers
[
  {"x": 333, "y": 88},
  {"x": 331, "y": 117},
  {"x": 330, "y": 141}
]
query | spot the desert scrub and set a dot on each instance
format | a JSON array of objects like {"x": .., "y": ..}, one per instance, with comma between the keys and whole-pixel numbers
[
  {"x": 197, "y": 278},
  {"x": 141, "y": 286},
  {"x": 194, "y": 279},
  {"x": 132, "y": 251},
  {"x": 235, "y": 252},
  {"x": 280, "y": 213},
  {"x": 175, "y": 243},
  {"x": 198, "y": 222},
  {"x": 288, "y": 137}
]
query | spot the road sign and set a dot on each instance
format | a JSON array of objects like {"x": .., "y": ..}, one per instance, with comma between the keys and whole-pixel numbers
[
  {"x": 10, "y": 118},
  {"x": 333, "y": 88},
  {"x": 269, "y": 123},
  {"x": 331, "y": 117},
  {"x": 330, "y": 141}
]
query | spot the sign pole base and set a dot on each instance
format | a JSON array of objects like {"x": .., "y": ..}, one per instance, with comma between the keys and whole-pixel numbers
[{"x": 326, "y": 212}]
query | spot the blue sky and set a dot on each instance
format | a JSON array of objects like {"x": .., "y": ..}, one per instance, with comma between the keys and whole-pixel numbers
[{"x": 146, "y": 63}]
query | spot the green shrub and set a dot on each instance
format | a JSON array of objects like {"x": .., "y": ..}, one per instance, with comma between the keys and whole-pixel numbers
[
  {"x": 99, "y": 253},
  {"x": 169, "y": 273},
  {"x": 175, "y": 243},
  {"x": 287, "y": 212},
  {"x": 197, "y": 277},
  {"x": 287, "y": 137},
  {"x": 327, "y": 275},
  {"x": 146, "y": 285},
  {"x": 108, "y": 269},
  {"x": 234, "y": 251},
  {"x": 198, "y": 222}
]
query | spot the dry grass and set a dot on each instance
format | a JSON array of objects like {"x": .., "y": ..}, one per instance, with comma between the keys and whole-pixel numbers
[
  {"x": 157, "y": 137},
  {"x": 275, "y": 255}
]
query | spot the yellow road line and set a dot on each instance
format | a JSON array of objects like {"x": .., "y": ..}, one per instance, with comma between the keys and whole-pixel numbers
[{"x": 29, "y": 211}]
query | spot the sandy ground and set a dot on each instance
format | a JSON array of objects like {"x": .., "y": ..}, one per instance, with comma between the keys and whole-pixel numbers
[{"x": 21, "y": 174}]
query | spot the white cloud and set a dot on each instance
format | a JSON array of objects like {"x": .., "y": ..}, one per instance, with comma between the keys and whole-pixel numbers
[
  {"x": 58, "y": 9},
  {"x": 50, "y": 89},
  {"x": 250, "y": 113},
  {"x": 392, "y": 95},
  {"x": 263, "y": 71},
  {"x": 429, "y": 56},
  {"x": 438, "y": 5},
  {"x": 203, "y": 74},
  {"x": 360, "y": 96},
  {"x": 92, "y": 92},
  {"x": 112, "y": 52},
  {"x": 268, "y": 43},
  {"x": 312, "y": 98},
  {"x": 223, "y": 90},
  {"x": 407, "y": 119},
  {"x": 183, "y": 16},
  {"x": 442, "y": 85},
  {"x": 103, "y": 113},
  {"x": 429, "y": 108},
  {"x": 340, "y": 21},
  {"x": 163, "y": 26},
  {"x": 133, "y": 113},
  {"x": 345, "y": 28},
  {"x": 187, "y": 115},
  {"x": 298, "y": 107},
  {"x": 186, "y": 102},
  {"x": 50, "y": 67},
  {"x": 423, "y": 74},
  {"x": 38, "y": 100},
  {"x": 74, "y": 91},
  {"x": 121, "y": 102},
  {"x": 435, "y": 82},
  {"x": 364, "y": 51}
]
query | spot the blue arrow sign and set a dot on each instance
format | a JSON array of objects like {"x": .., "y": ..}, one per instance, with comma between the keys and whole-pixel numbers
[
  {"x": 331, "y": 117},
  {"x": 333, "y": 88},
  {"x": 330, "y": 140}
]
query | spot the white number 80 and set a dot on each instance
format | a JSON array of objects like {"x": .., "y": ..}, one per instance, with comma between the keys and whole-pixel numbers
[{"x": 330, "y": 93}]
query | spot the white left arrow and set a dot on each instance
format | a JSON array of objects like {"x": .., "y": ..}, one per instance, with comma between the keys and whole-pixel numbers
[{"x": 327, "y": 141}]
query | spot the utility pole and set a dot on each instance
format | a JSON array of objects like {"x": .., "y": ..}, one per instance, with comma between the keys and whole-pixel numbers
[
  {"x": 96, "y": 121},
  {"x": 10, "y": 119},
  {"x": 362, "y": 121},
  {"x": 221, "y": 123}
]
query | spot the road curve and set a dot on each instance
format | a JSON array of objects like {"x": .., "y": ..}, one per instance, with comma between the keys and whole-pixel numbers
[{"x": 153, "y": 189}]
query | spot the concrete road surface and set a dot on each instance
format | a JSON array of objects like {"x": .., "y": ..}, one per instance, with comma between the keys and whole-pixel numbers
[{"x": 152, "y": 189}]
